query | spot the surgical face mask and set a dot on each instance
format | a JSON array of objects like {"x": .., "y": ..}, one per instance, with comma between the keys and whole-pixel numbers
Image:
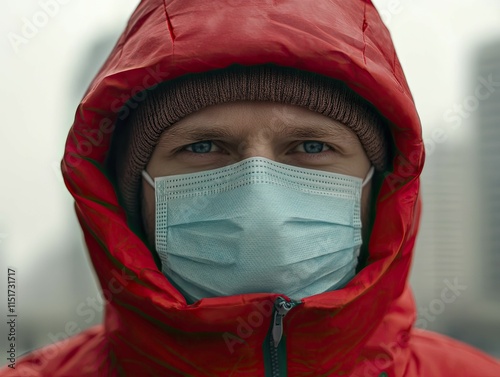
[{"x": 258, "y": 226}]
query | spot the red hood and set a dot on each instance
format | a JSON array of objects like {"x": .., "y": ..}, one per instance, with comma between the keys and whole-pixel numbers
[{"x": 148, "y": 324}]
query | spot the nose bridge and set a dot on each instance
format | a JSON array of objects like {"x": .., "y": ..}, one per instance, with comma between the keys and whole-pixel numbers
[
  {"x": 258, "y": 151},
  {"x": 258, "y": 143}
]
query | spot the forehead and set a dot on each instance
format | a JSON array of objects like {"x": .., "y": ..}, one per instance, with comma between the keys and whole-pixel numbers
[{"x": 243, "y": 117}]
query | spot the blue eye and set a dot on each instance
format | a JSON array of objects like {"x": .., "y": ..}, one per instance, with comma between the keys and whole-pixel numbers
[
  {"x": 200, "y": 147},
  {"x": 313, "y": 146}
]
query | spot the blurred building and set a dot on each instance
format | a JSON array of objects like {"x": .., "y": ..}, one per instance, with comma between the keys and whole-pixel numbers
[
  {"x": 488, "y": 130},
  {"x": 459, "y": 240},
  {"x": 482, "y": 323},
  {"x": 445, "y": 248}
]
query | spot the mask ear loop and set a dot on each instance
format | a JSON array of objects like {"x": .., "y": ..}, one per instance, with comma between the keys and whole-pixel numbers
[
  {"x": 148, "y": 178},
  {"x": 368, "y": 176}
]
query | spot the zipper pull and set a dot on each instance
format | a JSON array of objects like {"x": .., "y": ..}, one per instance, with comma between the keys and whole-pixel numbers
[{"x": 282, "y": 308}]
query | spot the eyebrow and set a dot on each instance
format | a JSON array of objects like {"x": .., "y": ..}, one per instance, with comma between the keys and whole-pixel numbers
[
  {"x": 199, "y": 133},
  {"x": 311, "y": 131},
  {"x": 314, "y": 130}
]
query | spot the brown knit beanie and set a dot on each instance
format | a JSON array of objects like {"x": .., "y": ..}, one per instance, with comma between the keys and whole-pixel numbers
[{"x": 134, "y": 141}]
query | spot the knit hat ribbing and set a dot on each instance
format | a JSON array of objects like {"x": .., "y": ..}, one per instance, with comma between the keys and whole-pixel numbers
[{"x": 134, "y": 142}]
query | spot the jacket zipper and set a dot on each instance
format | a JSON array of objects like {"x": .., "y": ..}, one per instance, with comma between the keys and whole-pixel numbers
[{"x": 276, "y": 353}]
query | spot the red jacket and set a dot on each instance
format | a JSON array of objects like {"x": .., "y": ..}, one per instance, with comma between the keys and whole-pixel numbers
[{"x": 364, "y": 329}]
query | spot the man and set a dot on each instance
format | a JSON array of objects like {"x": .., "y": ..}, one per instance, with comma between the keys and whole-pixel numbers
[{"x": 246, "y": 175}]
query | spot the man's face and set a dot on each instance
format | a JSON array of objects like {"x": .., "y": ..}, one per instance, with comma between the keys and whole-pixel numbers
[{"x": 227, "y": 133}]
